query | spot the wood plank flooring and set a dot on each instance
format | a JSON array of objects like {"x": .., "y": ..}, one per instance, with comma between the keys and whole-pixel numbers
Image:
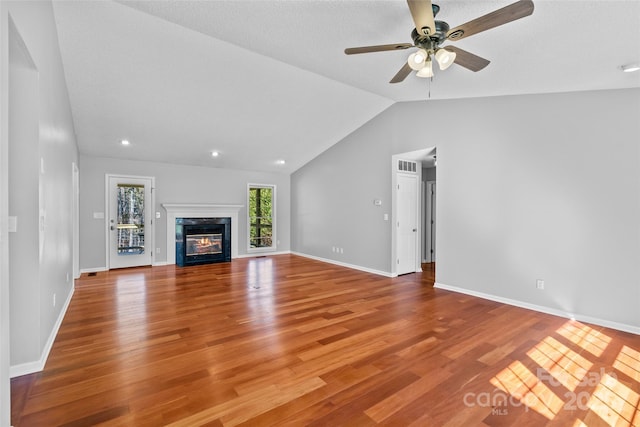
[{"x": 288, "y": 341}]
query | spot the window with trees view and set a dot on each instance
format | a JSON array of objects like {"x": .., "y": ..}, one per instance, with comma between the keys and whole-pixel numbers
[
  {"x": 130, "y": 219},
  {"x": 261, "y": 212}
]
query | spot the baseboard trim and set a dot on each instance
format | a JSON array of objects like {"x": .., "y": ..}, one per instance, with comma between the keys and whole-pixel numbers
[
  {"x": 344, "y": 264},
  {"x": 38, "y": 365},
  {"x": 93, "y": 270},
  {"x": 542, "y": 309},
  {"x": 164, "y": 263},
  {"x": 262, "y": 254}
]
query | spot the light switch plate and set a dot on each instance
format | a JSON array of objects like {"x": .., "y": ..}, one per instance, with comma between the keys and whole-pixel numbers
[{"x": 13, "y": 224}]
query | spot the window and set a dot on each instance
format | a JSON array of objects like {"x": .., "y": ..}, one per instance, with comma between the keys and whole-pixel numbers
[
  {"x": 130, "y": 219},
  {"x": 261, "y": 212}
]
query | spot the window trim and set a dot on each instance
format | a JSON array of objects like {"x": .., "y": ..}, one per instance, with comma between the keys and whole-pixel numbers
[{"x": 274, "y": 242}]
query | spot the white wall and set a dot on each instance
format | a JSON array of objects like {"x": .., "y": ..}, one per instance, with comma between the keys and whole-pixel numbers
[
  {"x": 518, "y": 199},
  {"x": 174, "y": 184},
  {"x": 24, "y": 200},
  {"x": 35, "y": 108},
  {"x": 332, "y": 199},
  {"x": 39, "y": 116},
  {"x": 5, "y": 336}
]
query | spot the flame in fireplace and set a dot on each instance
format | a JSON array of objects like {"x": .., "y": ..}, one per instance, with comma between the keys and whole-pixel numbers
[{"x": 201, "y": 244}]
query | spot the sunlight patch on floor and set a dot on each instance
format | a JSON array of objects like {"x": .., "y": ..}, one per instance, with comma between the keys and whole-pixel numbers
[
  {"x": 615, "y": 403},
  {"x": 605, "y": 397},
  {"x": 521, "y": 383},
  {"x": 563, "y": 364},
  {"x": 628, "y": 362},
  {"x": 588, "y": 338}
]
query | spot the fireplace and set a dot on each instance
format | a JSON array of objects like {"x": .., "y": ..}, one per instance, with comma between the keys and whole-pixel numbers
[
  {"x": 199, "y": 210},
  {"x": 202, "y": 240}
]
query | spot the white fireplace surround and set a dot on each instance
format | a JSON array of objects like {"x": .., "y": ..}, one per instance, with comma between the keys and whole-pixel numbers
[{"x": 199, "y": 210}]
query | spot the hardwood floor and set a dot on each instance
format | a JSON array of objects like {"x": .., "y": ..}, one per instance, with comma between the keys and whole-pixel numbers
[{"x": 289, "y": 341}]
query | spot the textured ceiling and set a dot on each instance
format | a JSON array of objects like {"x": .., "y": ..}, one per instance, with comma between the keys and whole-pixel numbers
[{"x": 266, "y": 80}]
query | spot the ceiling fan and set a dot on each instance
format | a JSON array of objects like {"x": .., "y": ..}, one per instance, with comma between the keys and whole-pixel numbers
[{"x": 429, "y": 34}]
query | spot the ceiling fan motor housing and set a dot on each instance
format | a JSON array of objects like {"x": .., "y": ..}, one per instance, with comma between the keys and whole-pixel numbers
[{"x": 431, "y": 42}]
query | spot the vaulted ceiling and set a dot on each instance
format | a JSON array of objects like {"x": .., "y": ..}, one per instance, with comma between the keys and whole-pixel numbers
[{"x": 268, "y": 80}]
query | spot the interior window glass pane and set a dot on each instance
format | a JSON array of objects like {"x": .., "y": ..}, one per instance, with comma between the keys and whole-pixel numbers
[
  {"x": 130, "y": 219},
  {"x": 260, "y": 217}
]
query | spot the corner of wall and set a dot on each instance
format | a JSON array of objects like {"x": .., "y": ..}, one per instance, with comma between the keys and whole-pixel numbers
[{"x": 38, "y": 365}]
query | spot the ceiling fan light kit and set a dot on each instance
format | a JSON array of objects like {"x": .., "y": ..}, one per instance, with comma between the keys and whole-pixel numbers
[
  {"x": 445, "y": 58},
  {"x": 427, "y": 70},
  {"x": 429, "y": 34},
  {"x": 417, "y": 60}
]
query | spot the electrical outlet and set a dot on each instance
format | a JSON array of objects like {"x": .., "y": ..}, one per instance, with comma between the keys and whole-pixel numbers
[
  {"x": 333, "y": 249},
  {"x": 157, "y": 251},
  {"x": 540, "y": 284},
  {"x": 341, "y": 250}
]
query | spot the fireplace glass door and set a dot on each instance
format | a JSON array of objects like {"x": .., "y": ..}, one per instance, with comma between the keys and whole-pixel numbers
[{"x": 203, "y": 244}]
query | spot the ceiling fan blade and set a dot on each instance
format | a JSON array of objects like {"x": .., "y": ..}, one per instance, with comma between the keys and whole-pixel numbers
[
  {"x": 467, "y": 59},
  {"x": 422, "y": 13},
  {"x": 514, "y": 11},
  {"x": 379, "y": 48},
  {"x": 402, "y": 74}
]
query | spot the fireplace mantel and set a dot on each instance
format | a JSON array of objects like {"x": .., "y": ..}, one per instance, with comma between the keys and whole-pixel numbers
[{"x": 199, "y": 210}]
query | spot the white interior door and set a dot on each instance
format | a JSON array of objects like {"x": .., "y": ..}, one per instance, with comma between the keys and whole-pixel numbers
[
  {"x": 407, "y": 223},
  {"x": 129, "y": 224}
]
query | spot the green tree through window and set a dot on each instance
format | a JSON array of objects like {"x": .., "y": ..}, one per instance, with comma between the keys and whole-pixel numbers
[
  {"x": 260, "y": 217},
  {"x": 130, "y": 219}
]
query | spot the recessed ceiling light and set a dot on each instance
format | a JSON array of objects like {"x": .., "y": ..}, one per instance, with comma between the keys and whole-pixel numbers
[
  {"x": 629, "y": 68},
  {"x": 280, "y": 162},
  {"x": 215, "y": 154},
  {"x": 125, "y": 142}
]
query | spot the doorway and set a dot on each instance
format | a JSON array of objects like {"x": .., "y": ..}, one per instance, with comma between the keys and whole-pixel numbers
[
  {"x": 129, "y": 226},
  {"x": 75, "y": 218},
  {"x": 411, "y": 244},
  {"x": 430, "y": 222},
  {"x": 407, "y": 223}
]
